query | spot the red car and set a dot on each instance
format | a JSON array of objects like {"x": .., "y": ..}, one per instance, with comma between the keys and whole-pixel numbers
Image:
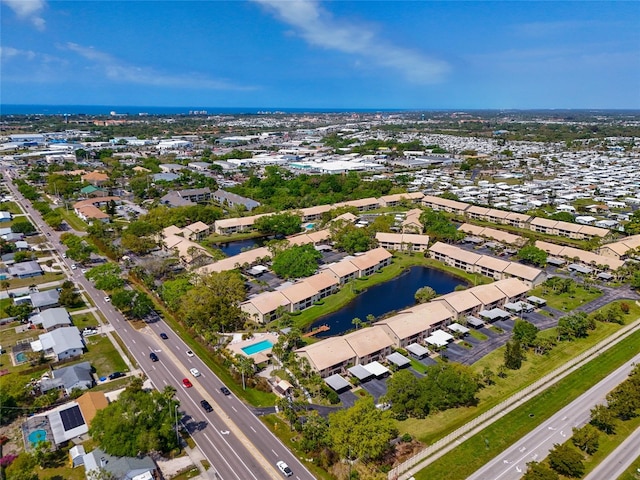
[{"x": 187, "y": 383}]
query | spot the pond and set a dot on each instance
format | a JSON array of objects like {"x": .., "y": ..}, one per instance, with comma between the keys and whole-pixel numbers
[
  {"x": 234, "y": 248},
  {"x": 387, "y": 297}
]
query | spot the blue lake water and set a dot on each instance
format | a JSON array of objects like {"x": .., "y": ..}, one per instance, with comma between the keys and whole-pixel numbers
[
  {"x": 387, "y": 297},
  {"x": 233, "y": 248}
]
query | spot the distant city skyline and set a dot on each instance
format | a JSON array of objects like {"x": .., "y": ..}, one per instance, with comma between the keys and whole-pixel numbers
[{"x": 322, "y": 55}]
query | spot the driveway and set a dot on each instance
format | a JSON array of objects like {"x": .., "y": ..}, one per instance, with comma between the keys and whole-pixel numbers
[
  {"x": 456, "y": 353},
  {"x": 428, "y": 361},
  {"x": 377, "y": 387},
  {"x": 347, "y": 398}
]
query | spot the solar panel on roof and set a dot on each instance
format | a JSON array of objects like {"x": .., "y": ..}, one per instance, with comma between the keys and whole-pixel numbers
[{"x": 71, "y": 418}]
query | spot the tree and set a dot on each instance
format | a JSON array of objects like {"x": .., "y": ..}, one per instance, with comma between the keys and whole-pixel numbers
[
  {"x": 350, "y": 238},
  {"x": 245, "y": 366},
  {"x": 533, "y": 255},
  {"x": 538, "y": 471},
  {"x": 296, "y": 262},
  {"x": 407, "y": 395},
  {"x": 450, "y": 385},
  {"x": 212, "y": 305},
  {"x": 525, "y": 332},
  {"x": 586, "y": 438},
  {"x": 603, "y": 419},
  {"x": 106, "y": 276},
  {"x": 278, "y": 224},
  {"x": 624, "y": 400},
  {"x": 488, "y": 377},
  {"x": 362, "y": 431},
  {"x": 513, "y": 354},
  {"x": 566, "y": 460},
  {"x": 69, "y": 296},
  {"x": 425, "y": 294},
  {"x": 439, "y": 226},
  {"x": 315, "y": 433},
  {"x": 576, "y": 325},
  {"x": 22, "y": 467},
  {"x": 356, "y": 322},
  {"x": 139, "y": 422},
  {"x": 25, "y": 227},
  {"x": 172, "y": 291},
  {"x": 142, "y": 305},
  {"x": 20, "y": 312}
]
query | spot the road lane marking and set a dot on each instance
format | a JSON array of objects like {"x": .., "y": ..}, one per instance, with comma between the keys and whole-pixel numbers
[
  {"x": 234, "y": 409},
  {"x": 252, "y": 429},
  {"x": 274, "y": 452},
  {"x": 220, "y": 455}
]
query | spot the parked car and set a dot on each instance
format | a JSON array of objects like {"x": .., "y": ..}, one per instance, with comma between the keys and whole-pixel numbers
[
  {"x": 284, "y": 468},
  {"x": 115, "y": 375},
  {"x": 73, "y": 266},
  {"x": 225, "y": 390},
  {"x": 206, "y": 406},
  {"x": 89, "y": 331},
  {"x": 153, "y": 357},
  {"x": 164, "y": 336},
  {"x": 194, "y": 372},
  {"x": 187, "y": 383}
]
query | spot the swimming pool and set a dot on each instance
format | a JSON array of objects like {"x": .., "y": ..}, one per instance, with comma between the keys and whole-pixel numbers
[
  {"x": 37, "y": 436},
  {"x": 21, "y": 357},
  {"x": 257, "y": 347},
  {"x": 309, "y": 226}
]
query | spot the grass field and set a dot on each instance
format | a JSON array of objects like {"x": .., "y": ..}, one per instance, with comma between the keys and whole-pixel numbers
[
  {"x": 475, "y": 452},
  {"x": 25, "y": 282},
  {"x": 72, "y": 219},
  {"x": 567, "y": 301},
  {"x": 103, "y": 356}
]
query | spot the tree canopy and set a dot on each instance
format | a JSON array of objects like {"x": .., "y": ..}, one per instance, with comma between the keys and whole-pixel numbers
[
  {"x": 296, "y": 262},
  {"x": 139, "y": 422},
  {"x": 350, "y": 238},
  {"x": 533, "y": 255},
  {"x": 362, "y": 431},
  {"x": 439, "y": 226},
  {"x": 278, "y": 224},
  {"x": 425, "y": 294},
  {"x": 407, "y": 395}
]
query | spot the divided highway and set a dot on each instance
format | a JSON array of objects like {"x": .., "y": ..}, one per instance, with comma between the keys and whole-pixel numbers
[{"x": 234, "y": 441}]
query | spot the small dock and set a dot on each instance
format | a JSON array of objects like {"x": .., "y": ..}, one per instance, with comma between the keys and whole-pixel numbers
[{"x": 315, "y": 331}]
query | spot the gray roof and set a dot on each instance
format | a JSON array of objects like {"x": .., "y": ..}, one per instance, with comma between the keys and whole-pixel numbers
[
  {"x": 53, "y": 317},
  {"x": 456, "y": 327},
  {"x": 123, "y": 468},
  {"x": 73, "y": 376},
  {"x": 398, "y": 359},
  {"x": 360, "y": 372},
  {"x": 175, "y": 200},
  {"x": 474, "y": 321},
  {"x": 62, "y": 339},
  {"x": 236, "y": 199},
  {"x": 576, "y": 267},
  {"x": 337, "y": 382},
  {"x": 43, "y": 299},
  {"x": 417, "y": 349},
  {"x": 536, "y": 300},
  {"x": 167, "y": 177},
  {"x": 494, "y": 313},
  {"x": 25, "y": 268}
]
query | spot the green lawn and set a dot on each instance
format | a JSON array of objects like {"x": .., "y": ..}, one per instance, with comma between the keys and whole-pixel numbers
[
  {"x": 476, "y": 334},
  {"x": 103, "y": 356},
  {"x": 566, "y": 301},
  {"x": 25, "y": 282},
  {"x": 84, "y": 320},
  {"x": 72, "y": 219},
  {"x": 11, "y": 207},
  {"x": 633, "y": 472},
  {"x": 479, "y": 449}
]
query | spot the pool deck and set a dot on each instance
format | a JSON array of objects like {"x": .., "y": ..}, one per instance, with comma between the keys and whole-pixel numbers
[
  {"x": 237, "y": 345},
  {"x": 32, "y": 424}
]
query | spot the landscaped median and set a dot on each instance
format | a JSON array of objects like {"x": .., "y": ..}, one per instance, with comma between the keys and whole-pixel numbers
[{"x": 506, "y": 423}]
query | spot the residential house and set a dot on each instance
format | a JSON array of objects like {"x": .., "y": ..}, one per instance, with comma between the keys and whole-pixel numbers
[
  {"x": 52, "y": 318},
  {"x": 415, "y": 324},
  {"x": 403, "y": 241},
  {"x": 232, "y": 200},
  {"x": 370, "y": 344},
  {"x": 620, "y": 249},
  {"x": 266, "y": 307},
  {"x": 77, "y": 376},
  {"x": 371, "y": 261},
  {"x": 61, "y": 343},
  {"x": 397, "y": 199},
  {"x": 27, "y": 269},
  {"x": 121, "y": 468}
]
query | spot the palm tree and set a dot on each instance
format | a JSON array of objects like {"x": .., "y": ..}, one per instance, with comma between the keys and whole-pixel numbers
[
  {"x": 356, "y": 322},
  {"x": 245, "y": 365}
]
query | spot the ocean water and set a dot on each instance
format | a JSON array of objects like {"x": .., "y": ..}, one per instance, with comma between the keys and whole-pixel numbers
[{"x": 13, "y": 109}]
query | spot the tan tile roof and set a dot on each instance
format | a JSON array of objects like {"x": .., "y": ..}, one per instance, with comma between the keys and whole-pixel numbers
[
  {"x": 322, "y": 280},
  {"x": 90, "y": 403},
  {"x": 268, "y": 302},
  {"x": 417, "y": 319},
  {"x": 487, "y": 294},
  {"x": 299, "y": 291},
  {"x": 329, "y": 352},
  {"x": 511, "y": 287},
  {"x": 460, "y": 301},
  {"x": 366, "y": 341}
]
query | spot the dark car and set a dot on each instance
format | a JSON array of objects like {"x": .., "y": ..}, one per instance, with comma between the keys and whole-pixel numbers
[
  {"x": 153, "y": 357},
  {"x": 225, "y": 390},
  {"x": 115, "y": 375},
  {"x": 164, "y": 336},
  {"x": 206, "y": 406}
]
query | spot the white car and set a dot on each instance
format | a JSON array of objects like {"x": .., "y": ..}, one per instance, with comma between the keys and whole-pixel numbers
[
  {"x": 189, "y": 353},
  {"x": 107, "y": 299},
  {"x": 73, "y": 266},
  {"x": 194, "y": 372},
  {"x": 284, "y": 468}
]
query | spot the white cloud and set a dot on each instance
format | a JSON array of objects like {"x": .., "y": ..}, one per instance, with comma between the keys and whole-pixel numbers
[
  {"x": 8, "y": 53},
  {"x": 119, "y": 71},
  {"x": 28, "y": 10},
  {"x": 318, "y": 27}
]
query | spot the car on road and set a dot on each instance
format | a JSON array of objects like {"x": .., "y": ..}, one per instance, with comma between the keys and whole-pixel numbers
[
  {"x": 284, "y": 468},
  {"x": 187, "y": 383},
  {"x": 107, "y": 299},
  {"x": 84, "y": 270},
  {"x": 189, "y": 353},
  {"x": 206, "y": 406},
  {"x": 164, "y": 336},
  {"x": 115, "y": 375},
  {"x": 73, "y": 266},
  {"x": 225, "y": 390},
  {"x": 153, "y": 357},
  {"x": 194, "y": 372}
]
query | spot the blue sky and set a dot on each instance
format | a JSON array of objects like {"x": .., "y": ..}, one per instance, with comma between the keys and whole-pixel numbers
[{"x": 314, "y": 54}]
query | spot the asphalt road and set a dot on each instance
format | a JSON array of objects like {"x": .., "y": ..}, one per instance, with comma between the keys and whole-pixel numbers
[
  {"x": 235, "y": 442},
  {"x": 619, "y": 460},
  {"x": 535, "y": 446}
]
